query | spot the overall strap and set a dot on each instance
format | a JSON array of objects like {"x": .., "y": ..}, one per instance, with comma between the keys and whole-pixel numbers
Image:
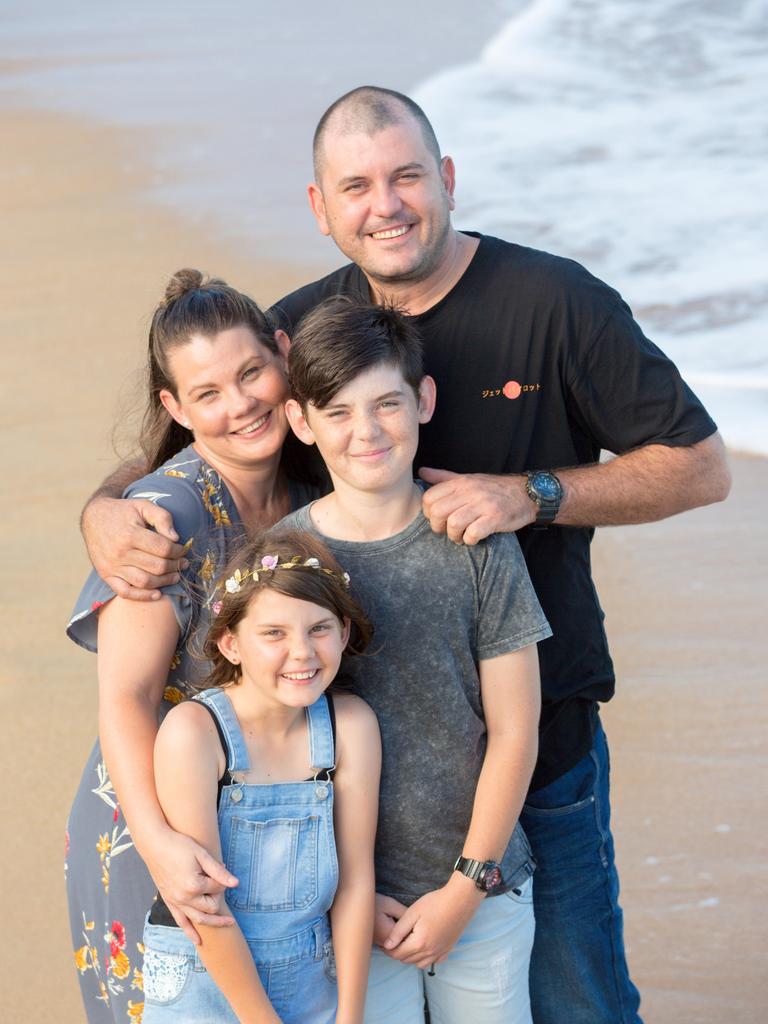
[
  {"x": 219, "y": 704},
  {"x": 321, "y": 748}
]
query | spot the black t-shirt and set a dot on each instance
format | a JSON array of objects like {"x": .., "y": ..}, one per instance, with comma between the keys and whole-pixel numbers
[{"x": 539, "y": 365}]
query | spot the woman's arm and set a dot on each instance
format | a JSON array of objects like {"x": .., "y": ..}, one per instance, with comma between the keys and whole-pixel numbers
[
  {"x": 356, "y": 801},
  {"x": 135, "y": 645},
  {"x": 189, "y": 762},
  {"x": 511, "y": 695}
]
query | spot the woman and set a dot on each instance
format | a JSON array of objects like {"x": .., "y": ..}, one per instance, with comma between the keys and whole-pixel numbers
[{"x": 213, "y": 437}]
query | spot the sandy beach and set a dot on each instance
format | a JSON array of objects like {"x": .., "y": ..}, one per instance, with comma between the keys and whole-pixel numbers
[{"x": 84, "y": 260}]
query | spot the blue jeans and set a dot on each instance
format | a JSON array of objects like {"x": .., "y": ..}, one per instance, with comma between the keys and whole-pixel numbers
[{"x": 579, "y": 971}]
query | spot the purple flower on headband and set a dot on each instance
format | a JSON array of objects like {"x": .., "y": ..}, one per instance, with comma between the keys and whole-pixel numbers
[
  {"x": 269, "y": 562},
  {"x": 216, "y": 608}
]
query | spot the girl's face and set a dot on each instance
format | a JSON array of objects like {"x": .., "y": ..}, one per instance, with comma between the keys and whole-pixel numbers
[
  {"x": 288, "y": 650},
  {"x": 231, "y": 393}
]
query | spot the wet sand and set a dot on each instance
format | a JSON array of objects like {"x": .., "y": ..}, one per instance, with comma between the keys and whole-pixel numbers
[{"x": 84, "y": 262}]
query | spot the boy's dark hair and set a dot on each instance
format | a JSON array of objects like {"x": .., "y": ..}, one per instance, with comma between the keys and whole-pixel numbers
[
  {"x": 306, "y": 583},
  {"x": 340, "y": 339}
]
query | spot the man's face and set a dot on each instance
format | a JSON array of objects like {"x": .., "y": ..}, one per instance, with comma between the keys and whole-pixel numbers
[{"x": 385, "y": 201}]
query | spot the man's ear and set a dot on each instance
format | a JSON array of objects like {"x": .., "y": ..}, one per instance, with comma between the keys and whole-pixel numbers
[
  {"x": 427, "y": 398},
  {"x": 317, "y": 205},
  {"x": 448, "y": 176},
  {"x": 298, "y": 421},
  {"x": 173, "y": 408},
  {"x": 227, "y": 644}
]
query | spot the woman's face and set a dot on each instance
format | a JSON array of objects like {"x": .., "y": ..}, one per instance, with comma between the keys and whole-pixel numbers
[{"x": 230, "y": 392}]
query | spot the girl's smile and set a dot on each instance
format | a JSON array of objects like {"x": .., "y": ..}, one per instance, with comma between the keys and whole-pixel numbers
[{"x": 287, "y": 649}]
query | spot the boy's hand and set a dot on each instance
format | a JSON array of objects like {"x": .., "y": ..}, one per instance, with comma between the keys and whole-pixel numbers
[
  {"x": 430, "y": 928},
  {"x": 471, "y": 506},
  {"x": 387, "y": 913},
  {"x": 131, "y": 558}
]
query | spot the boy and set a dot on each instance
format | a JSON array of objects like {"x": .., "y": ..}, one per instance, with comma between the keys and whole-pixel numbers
[{"x": 453, "y": 680}]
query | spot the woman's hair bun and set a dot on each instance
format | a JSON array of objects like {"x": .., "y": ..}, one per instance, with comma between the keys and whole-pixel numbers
[{"x": 185, "y": 280}]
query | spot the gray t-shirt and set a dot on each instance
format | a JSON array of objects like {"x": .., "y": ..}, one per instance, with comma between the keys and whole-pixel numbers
[{"x": 438, "y": 608}]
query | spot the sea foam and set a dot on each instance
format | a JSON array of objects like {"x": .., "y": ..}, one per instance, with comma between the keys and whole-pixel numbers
[{"x": 631, "y": 136}]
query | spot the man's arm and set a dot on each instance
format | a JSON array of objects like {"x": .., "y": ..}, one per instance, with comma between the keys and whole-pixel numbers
[
  {"x": 511, "y": 694},
  {"x": 132, "y": 559},
  {"x": 639, "y": 486}
]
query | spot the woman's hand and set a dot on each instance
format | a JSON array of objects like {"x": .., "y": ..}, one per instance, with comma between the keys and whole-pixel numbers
[{"x": 190, "y": 881}]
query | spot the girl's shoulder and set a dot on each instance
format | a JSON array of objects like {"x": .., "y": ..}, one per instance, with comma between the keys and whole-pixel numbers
[
  {"x": 355, "y": 721},
  {"x": 189, "y": 731}
]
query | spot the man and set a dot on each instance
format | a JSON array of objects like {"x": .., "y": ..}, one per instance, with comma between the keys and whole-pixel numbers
[{"x": 538, "y": 366}]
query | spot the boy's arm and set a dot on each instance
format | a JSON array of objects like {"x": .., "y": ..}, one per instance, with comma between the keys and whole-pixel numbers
[
  {"x": 132, "y": 559},
  {"x": 188, "y": 737},
  {"x": 511, "y": 695},
  {"x": 356, "y": 788}
]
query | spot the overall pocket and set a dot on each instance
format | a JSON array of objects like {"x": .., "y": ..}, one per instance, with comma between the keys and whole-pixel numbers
[{"x": 278, "y": 858}]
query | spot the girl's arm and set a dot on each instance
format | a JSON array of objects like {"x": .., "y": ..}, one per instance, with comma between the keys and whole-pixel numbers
[
  {"x": 511, "y": 695},
  {"x": 135, "y": 645},
  {"x": 356, "y": 801},
  {"x": 189, "y": 762}
]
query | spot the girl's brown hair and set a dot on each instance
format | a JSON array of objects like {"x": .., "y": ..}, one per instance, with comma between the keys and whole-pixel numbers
[
  {"x": 307, "y": 583},
  {"x": 193, "y": 305}
]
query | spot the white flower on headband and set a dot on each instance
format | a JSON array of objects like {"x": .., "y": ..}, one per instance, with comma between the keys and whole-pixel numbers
[
  {"x": 313, "y": 563},
  {"x": 232, "y": 585},
  {"x": 345, "y": 577},
  {"x": 269, "y": 562}
]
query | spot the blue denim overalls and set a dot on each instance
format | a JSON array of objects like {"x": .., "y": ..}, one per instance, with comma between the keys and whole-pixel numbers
[{"x": 278, "y": 841}]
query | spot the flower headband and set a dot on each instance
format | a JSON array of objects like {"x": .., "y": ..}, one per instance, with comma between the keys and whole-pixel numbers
[{"x": 269, "y": 563}]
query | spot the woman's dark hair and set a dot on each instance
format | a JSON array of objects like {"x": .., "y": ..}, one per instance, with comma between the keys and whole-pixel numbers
[
  {"x": 329, "y": 589},
  {"x": 340, "y": 339},
  {"x": 193, "y": 305}
]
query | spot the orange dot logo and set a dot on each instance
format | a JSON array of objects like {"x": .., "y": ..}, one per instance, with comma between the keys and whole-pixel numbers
[{"x": 511, "y": 389}]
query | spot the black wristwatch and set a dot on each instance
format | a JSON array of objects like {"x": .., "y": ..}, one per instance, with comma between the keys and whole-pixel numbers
[
  {"x": 486, "y": 874},
  {"x": 546, "y": 491}
]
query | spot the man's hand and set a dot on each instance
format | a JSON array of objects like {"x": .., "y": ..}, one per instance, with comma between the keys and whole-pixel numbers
[
  {"x": 470, "y": 507},
  {"x": 386, "y": 915},
  {"x": 190, "y": 881},
  {"x": 429, "y": 929},
  {"x": 134, "y": 560}
]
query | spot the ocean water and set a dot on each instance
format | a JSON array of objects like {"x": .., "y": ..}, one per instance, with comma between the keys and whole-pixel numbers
[{"x": 631, "y": 135}]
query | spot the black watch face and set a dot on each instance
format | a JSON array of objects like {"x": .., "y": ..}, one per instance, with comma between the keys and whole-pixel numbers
[
  {"x": 492, "y": 878},
  {"x": 546, "y": 486}
]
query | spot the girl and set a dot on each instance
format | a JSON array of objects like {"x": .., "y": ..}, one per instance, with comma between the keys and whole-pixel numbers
[
  {"x": 261, "y": 768},
  {"x": 214, "y": 437}
]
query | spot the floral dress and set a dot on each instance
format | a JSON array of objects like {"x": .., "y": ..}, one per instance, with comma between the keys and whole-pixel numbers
[{"x": 109, "y": 889}]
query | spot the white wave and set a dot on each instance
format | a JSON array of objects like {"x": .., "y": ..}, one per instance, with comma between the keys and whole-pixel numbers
[{"x": 631, "y": 135}]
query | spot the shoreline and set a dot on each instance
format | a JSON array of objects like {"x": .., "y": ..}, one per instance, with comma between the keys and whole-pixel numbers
[{"x": 86, "y": 261}]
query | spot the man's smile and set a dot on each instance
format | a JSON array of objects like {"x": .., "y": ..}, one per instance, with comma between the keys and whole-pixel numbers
[{"x": 395, "y": 232}]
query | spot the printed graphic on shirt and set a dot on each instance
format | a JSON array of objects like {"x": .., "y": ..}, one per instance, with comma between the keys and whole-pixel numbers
[{"x": 512, "y": 389}]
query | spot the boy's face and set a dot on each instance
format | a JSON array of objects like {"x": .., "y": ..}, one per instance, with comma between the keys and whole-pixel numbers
[{"x": 368, "y": 433}]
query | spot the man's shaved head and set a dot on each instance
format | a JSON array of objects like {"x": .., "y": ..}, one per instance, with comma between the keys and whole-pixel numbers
[{"x": 368, "y": 110}]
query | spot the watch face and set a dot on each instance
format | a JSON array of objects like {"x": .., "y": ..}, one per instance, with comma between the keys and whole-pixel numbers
[
  {"x": 492, "y": 878},
  {"x": 546, "y": 486}
]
